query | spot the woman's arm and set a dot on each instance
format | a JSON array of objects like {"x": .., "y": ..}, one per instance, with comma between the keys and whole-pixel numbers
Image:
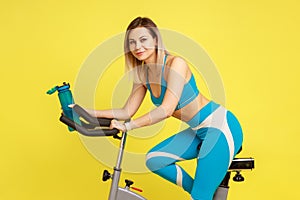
[
  {"x": 175, "y": 83},
  {"x": 134, "y": 101}
]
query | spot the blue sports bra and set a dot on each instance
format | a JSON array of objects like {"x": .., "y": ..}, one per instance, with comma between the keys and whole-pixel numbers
[{"x": 189, "y": 93}]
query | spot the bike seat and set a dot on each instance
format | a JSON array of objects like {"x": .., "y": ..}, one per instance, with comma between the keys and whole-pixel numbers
[
  {"x": 241, "y": 163},
  {"x": 238, "y": 164}
]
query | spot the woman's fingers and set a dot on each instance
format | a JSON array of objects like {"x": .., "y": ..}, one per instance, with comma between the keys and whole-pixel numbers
[{"x": 118, "y": 125}]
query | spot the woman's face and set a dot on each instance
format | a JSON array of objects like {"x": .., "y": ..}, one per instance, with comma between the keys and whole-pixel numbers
[{"x": 142, "y": 44}]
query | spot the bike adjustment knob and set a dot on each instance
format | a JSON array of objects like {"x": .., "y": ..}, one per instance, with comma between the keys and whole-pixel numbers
[
  {"x": 106, "y": 175},
  {"x": 238, "y": 177},
  {"x": 128, "y": 183}
]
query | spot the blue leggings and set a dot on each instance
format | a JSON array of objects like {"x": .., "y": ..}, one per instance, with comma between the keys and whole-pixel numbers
[{"x": 218, "y": 134}]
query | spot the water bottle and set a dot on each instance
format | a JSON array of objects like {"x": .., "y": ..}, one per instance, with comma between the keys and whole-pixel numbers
[{"x": 66, "y": 98}]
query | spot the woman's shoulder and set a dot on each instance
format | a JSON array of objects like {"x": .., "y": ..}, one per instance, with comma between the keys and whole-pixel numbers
[{"x": 176, "y": 61}]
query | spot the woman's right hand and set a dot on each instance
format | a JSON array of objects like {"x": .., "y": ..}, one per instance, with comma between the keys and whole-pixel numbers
[{"x": 118, "y": 125}]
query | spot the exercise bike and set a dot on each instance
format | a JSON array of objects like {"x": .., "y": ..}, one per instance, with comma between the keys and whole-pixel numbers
[{"x": 97, "y": 127}]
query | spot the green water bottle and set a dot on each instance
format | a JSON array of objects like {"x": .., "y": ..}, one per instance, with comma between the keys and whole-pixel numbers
[{"x": 66, "y": 98}]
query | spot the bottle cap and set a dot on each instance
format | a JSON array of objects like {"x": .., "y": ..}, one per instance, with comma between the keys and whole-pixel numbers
[{"x": 63, "y": 87}]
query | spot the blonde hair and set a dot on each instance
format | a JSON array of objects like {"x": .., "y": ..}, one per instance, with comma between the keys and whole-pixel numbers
[{"x": 131, "y": 62}]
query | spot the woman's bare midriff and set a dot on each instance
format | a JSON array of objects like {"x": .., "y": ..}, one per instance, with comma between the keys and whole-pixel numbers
[{"x": 189, "y": 111}]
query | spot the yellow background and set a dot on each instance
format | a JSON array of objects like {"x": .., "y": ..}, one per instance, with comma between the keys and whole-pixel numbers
[{"x": 254, "y": 44}]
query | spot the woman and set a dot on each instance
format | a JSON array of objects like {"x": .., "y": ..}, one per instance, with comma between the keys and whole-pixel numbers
[{"x": 214, "y": 136}]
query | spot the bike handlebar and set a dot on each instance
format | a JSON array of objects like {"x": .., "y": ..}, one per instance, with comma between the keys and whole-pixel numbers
[
  {"x": 89, "y": 129},
  {"x": 92, "y": 120}
]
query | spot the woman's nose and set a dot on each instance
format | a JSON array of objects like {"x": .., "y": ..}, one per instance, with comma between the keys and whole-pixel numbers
[{"x": 138, "y": 45}]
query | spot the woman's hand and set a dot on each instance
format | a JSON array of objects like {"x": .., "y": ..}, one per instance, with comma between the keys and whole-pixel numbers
[{"x": 118, "y": 125}]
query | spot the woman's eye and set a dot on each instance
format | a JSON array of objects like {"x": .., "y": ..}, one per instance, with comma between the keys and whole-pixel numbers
[
  {"x": 143, "y": 39},
  {"x": 131, "y": 42}
]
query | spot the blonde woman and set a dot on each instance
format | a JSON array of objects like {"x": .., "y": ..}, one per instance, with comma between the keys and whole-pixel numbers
[{"x": 214, "y": 136}]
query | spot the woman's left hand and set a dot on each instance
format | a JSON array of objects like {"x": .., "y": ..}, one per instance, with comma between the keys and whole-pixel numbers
[{"x": 118, "y": 125}]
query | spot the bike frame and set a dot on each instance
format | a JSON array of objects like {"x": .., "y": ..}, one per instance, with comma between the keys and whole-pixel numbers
[{"x": 118, "y": 193}]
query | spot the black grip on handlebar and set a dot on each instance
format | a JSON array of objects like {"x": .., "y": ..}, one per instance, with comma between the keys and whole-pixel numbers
[
  {"x": 84, "y": 131},
  {"x": 93, "y": 120}
]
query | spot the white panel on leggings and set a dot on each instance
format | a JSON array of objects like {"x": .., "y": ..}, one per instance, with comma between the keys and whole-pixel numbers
[{"x": 218, "y": 120}]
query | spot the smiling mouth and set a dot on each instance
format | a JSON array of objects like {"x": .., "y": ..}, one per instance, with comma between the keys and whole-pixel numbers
[{"x": 139, "y": 53}]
